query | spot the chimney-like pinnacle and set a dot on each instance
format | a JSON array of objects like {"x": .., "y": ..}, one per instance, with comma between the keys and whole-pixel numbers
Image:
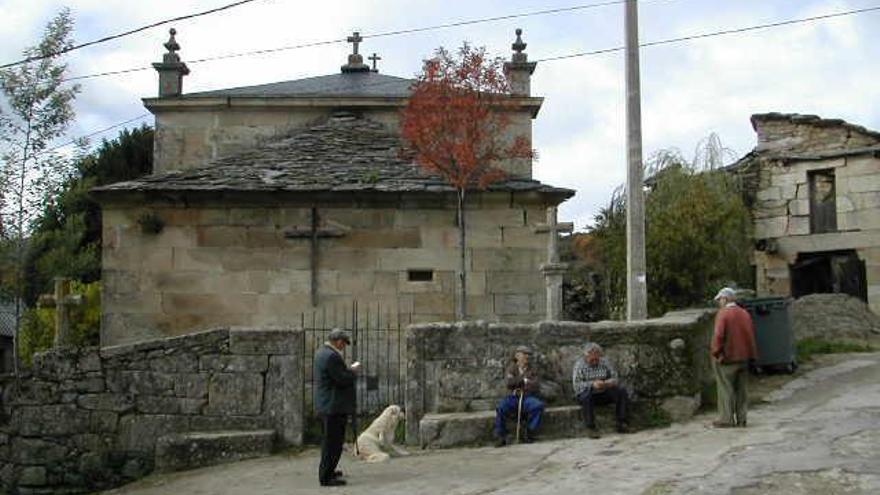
[
  {"x": 519, "y": 70},
  {"x": 171, "y": 70}
]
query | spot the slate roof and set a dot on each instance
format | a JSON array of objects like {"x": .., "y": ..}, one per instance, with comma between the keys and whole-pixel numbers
[
  {"x": 343, "y": 154},
  {"x": 347, "y": 84},
  {"x": 7, "y": 318}
]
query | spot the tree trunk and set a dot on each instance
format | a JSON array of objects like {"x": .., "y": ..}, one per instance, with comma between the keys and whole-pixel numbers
[{"x": 461, "y": 314}]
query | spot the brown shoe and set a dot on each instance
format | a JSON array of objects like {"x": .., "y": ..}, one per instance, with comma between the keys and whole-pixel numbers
[
  {"x": 593, "y": 433},
  {"x": 722, "y": 424}
]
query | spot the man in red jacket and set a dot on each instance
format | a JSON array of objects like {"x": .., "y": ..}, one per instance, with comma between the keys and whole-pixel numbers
[{"x": 733, "y": 346}]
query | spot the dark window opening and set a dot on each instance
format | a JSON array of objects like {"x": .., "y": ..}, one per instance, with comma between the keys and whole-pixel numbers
[
  {"x": 829, "y": 272},
  {"x": 420, "y": 275},
  {"x": 823, "y": 208}
]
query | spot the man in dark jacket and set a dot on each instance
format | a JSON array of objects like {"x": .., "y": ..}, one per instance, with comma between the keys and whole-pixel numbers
[
  {"x": 334, "y": 401},
  {"x": 522, "y": 382}
]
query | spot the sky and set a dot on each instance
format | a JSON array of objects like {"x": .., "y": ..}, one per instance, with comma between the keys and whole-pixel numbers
[{"x": 689, "y": 90}]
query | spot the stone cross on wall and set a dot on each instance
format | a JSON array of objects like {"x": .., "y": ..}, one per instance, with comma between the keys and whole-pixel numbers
[
  {"x": 314, "y": 233},
  {"x": 553, "y": 270},
  {"x": 61, "y": 300}
]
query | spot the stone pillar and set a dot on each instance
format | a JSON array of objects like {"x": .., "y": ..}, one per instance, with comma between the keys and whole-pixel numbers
[
  {"x": 519, "y": 70},
  {"x": 553, "y": 275},
  {"x": 171, "y": 70},
  {"x": 553, "y": 270}
]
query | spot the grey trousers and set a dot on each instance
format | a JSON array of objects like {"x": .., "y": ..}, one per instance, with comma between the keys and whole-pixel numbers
[{"x": 732, "y": 381}]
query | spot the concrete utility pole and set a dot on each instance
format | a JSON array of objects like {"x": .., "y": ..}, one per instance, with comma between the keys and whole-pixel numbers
[{"x": 636, "y": 278}]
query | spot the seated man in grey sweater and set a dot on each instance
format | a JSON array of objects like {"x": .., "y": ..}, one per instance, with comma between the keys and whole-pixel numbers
[{"x": 595, "y": 382}]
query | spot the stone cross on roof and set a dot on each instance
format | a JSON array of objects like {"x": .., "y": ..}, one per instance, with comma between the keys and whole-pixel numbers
[
  {"x": 355, "y": 39},
  {"x": 374, "y": 58},
  {"x": 355, "y": 60}
]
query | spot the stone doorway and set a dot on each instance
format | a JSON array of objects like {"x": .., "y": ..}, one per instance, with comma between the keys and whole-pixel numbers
[{"x": 829, "y": 272}]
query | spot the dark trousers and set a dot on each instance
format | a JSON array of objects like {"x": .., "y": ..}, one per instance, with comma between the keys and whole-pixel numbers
[
  {"x": 589, "y": 400},
  {"x": 331, "y": 444}
]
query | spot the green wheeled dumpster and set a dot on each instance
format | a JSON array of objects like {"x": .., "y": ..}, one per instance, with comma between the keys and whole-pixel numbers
[{"x": 773, "y": 332}]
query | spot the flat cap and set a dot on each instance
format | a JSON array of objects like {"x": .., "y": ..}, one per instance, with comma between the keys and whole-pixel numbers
[
  {"x": 339, "y": 334},
  {"x": 523, "y": 349}
]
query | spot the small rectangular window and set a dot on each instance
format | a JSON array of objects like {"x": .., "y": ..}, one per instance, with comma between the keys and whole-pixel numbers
[
  {"x": 420, "y": 275},
  {"x": 823, "y": 210}
]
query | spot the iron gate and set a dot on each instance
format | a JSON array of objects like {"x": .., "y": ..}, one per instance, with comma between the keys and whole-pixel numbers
[{"x": 377, "y": 341}]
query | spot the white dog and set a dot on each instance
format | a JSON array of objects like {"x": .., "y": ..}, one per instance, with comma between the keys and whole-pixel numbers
[{"x": 376, "y": 443}]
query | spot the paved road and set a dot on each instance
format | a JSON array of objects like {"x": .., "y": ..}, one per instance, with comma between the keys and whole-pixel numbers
[{"x": 819, "y": 434}]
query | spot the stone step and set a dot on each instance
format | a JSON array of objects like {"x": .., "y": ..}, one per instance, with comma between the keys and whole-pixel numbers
[
  {"x": 197, "y": 449},
  {"x": 441, "y": 431}
]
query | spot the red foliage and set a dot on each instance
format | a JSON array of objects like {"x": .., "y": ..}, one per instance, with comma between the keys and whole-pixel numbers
[{"x": 455, "y": 122}]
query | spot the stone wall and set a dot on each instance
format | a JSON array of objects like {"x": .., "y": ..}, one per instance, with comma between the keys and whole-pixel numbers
[
  {"x": 90, "y": 419},
  {"x": 233, "y": 265},
  {"x": 460, "y": 367}
]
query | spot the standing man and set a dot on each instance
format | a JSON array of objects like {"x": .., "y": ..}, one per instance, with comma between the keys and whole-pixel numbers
[
  {"x": 334, "y": 401},
  {"x": 733, "y": 346},
  {"x": 523, "y": 384},
  {"x": 595, "y": 381}
]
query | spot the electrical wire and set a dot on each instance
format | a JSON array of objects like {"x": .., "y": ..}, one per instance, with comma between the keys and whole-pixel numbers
[
  {"x": 398, "y": 32},
  {"x": 123, "y": 34}
]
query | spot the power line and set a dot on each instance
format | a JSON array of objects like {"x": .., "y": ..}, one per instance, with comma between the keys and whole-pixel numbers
[
  {"x": 95, "y": 133},
  {"x": 126, "y": 33},
  {"x": 585, "y": 54},
  {"x": 398, "y": 32},
  {"x": 714, "y": 33}
]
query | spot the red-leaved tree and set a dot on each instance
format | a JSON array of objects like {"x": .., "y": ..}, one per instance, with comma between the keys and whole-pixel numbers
[{"x": 456, "y": 124}]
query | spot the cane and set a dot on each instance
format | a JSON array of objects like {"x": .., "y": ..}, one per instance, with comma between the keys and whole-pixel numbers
[
  {"x": 354, "y": 428},
  {"x": 519, "y": 413}
]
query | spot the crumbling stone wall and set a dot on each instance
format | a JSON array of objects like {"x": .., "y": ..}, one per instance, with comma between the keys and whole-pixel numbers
[
  {"x": 454, "y": 367},
  {"x": 91, "y": 418}
]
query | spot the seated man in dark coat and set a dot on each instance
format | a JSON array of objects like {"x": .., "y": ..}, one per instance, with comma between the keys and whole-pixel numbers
[
  {"x": 334, "y": 401},
  {"x": 522, "y": 382},
  {"x": 595, "y": 382}
]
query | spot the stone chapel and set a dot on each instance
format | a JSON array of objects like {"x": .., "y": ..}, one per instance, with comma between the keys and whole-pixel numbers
[{"x": 267, "y": 202}]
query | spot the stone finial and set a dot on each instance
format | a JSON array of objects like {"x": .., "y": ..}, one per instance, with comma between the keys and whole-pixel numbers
[
  {"x": 171, "y": 70},
  {"x": 374, "y": 58},
  {"x": 355, "y": 59},
  {"x": 519, "y": 70},
  {"x": 172, "y": 45},
  {"x": 518, "y": 47}
]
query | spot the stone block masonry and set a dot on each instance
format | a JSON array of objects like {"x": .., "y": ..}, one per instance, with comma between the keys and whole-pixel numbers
[
  {"x": 459, "y": 367},
  {"x": 90, "y": 419}
]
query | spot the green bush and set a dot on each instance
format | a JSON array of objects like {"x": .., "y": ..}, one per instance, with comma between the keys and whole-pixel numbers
[{"x": 38, "y": 325}]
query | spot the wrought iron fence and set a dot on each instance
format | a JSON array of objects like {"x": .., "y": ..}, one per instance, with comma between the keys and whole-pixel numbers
[{"x": 377, "y": 341}]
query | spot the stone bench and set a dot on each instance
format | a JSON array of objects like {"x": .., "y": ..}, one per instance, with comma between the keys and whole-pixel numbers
[
  {"x": 198, "y": 449},
  {"x": 440, "y": 431}
]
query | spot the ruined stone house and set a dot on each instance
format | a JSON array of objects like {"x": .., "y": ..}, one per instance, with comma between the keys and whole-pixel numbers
[
  {"x": 814, "y": 189},
  {"x": 274, "y": 200}
]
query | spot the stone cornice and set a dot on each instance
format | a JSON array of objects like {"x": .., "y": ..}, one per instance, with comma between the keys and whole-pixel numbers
[{"x": 213, "y": 103}]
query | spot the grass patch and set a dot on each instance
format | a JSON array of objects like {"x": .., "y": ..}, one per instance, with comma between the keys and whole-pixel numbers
[{"x": 808, "y": 348}]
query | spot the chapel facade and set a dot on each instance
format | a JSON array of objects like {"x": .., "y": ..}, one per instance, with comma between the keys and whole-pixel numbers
[{"x": 273, "y": 201}]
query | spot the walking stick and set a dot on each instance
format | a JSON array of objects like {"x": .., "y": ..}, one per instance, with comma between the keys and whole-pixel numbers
[
  {"x": 519, "y": 413},
  {"x": 354, "y": 428}
]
